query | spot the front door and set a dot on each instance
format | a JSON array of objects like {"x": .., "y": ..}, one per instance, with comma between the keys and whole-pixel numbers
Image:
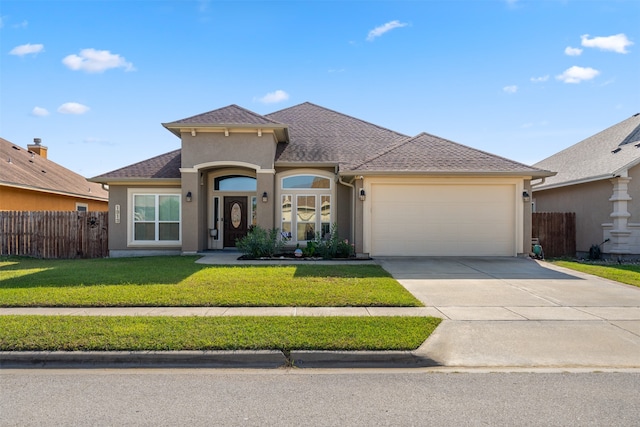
[{"x": 235, "y": 220}]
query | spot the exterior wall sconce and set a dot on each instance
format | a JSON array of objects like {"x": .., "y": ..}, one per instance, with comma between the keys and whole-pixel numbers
[
  {"x": 362, "y": 194},
  {"x": 188, "y": 196},
  {"x": 265, "y": 198},
  {"x": 525, "y": 196}
]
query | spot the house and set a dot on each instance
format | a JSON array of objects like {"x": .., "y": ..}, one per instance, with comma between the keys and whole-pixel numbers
[
  {"x": 31, "y": 182},
  {"x": 598, "y": 179},
  {"x": 304, "y": 168}
]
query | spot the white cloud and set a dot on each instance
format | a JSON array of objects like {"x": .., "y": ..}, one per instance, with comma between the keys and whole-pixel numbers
[
  {"x": 577, "y": 74},
  {"x": 540, "y": 79},
  {"x": 96, "y": 61},
  {"x": 39, "y": 112},
  {"x": 273, "y": 97},
  {"x": 572, "y": 51},
  {"x": 617, "y": 43},
  {"x": 510, "y": 89},
  {"x": 27, "y": 49},
  {"x": 72, "y": 108},
  {"x": 378, "y": 31}
]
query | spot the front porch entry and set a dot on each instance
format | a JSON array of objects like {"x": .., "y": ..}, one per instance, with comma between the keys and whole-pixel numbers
[
  {"x": 232, "y": 207},
  {"x": 235, "y": 220}
]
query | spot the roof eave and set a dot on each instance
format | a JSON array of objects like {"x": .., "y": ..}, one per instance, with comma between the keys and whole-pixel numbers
[
  {"x": 530, "y": 174},
  {"x": 573, "y": 182},
  {"x": 52, "y": 191},
  {"x": 306, "y": 164},
  {"x": 134, "y": 180},
  {"x": 178, "y": 128}
]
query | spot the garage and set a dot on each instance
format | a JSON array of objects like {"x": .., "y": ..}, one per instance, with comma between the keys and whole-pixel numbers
[{"x": 457, "y": 219}]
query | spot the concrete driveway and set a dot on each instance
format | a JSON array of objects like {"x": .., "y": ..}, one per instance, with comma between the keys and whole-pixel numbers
[{"x": 520, "y": 312}]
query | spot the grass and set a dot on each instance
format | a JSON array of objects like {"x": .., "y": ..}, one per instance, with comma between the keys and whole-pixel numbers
[
  {"x": 179, "y": 281},
  {"x": 623, "y": 273},
  {"x": 78, "y": 333}
]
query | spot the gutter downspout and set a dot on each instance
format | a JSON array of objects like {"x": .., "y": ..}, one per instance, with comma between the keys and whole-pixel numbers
[{"x": 542, "y": 180}]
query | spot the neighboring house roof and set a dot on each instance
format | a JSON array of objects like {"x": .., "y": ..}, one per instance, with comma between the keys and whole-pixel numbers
[
  {"x": 601, "y": 156},
  {"x": 321, "y": 135},
  {"x": 427, "y": 153},
  {"x": 22, "y": 168},
  {"x": 164, "y": 166}
]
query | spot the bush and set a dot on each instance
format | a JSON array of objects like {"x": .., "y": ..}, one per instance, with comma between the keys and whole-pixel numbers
[
  {"x": 330, "y": 247},
  {"x": 260, "y": 243}
]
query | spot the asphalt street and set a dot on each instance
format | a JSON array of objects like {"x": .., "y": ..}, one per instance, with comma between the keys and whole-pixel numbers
[{"x": 292, "y": 397}]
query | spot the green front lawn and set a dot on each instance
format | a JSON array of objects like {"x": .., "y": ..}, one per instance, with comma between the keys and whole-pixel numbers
[
  {"x": 179, "y": 281},
  {"x": 623, "y": 273},
  {"x": 78, "y": 333}
]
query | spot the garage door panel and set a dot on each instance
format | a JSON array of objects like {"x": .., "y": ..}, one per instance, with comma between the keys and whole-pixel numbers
[{"x": 435, "y": 220}]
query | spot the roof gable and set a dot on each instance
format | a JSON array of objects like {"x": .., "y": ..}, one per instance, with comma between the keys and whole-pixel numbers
[
  {"x": 426, "y": 153},
  {"x": 229, "y": 115},
  {"x": 600, "y": 156},
  {"x": 25, "y": 169}
]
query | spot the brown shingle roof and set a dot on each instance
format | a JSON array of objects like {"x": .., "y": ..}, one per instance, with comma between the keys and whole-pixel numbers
[
  {"x": 320, "y": 135},
  {"x": 426, "y": 153},
  {"x": 165, "y": 166},
  {"x": 230, "y": 115},
  {"x": 29, "y": 170}
]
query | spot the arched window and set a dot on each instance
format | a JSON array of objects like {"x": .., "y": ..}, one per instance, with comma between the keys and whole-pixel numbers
[
  {"x": 235, "y": 183},
  {"x": 305, "y": 207}
]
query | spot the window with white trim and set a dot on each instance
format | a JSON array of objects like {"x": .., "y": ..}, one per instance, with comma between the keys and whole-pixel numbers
[
  {"x": 305, "y": 209},
  {"x": 156, "y": 218}
]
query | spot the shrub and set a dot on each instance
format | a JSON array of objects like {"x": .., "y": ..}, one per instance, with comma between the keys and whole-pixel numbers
[
  {"x": 260, "y": 243},
  {"x": 331, "y": 246}
]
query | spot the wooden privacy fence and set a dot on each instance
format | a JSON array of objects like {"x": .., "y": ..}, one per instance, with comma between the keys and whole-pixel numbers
[
  {"x": 49, "y": 234},
  {"x": 556, "y": 232}
]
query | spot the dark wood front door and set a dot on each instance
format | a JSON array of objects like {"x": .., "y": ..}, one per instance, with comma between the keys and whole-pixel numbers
[{"x": 235, "y": 220}]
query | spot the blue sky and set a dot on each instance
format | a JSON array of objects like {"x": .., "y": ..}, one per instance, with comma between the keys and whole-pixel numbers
[{"x": 521, "y": 79}]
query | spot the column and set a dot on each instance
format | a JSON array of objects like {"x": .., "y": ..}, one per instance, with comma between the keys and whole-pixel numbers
[{"x": 620, "y": 232}]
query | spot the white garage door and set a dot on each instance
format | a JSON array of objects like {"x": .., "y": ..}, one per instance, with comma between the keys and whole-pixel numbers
[{"x": 442, "y": 220}]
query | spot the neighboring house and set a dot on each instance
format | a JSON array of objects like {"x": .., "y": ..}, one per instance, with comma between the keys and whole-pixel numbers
[
  {"x": 31, "y": 182},
  {"x": 599, "y": 180},
  {"x": 304, "y": 168}
]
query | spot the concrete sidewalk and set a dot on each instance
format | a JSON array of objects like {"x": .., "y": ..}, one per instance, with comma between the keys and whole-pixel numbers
[{"x": 499, "y": 312}]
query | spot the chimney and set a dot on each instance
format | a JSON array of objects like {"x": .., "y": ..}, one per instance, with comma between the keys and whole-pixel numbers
[{"x": 38, "y": 148}]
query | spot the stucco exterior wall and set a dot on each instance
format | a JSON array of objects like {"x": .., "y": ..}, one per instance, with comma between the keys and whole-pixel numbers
[
  {"x": 344, "y": 215},
  {"x": 237, "y": 147},
  {"x": 118, "y": 224},
  {"x": 19, "y": 199},
  {"x": 118, "y": 230},
  {"x": 590, "y": 202}
]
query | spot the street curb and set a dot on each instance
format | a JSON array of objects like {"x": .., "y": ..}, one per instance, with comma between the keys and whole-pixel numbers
[
  {"x": 264, "y": 359},
  {"x": 359, "y": 359},
  {"x": 142, "y": 359}
]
